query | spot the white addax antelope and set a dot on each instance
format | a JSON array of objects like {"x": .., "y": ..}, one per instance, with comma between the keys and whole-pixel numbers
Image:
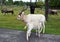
[{"x": 33, "y": 21}]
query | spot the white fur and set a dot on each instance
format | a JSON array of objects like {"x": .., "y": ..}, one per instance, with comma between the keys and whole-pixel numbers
[{"x": 33, "y": 21}]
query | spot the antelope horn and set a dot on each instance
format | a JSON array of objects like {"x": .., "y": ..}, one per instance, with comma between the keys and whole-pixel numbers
[{"x": 22, "y": 11}]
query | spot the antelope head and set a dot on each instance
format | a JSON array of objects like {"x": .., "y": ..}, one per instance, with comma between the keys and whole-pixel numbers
[{"x": 20, "y": 15}]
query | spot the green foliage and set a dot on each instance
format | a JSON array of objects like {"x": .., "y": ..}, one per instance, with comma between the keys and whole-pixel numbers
[
  {"x": 39, "y": 4},
  {"x": 27, "y": 3},
  {"x": 3, "y": 1},
  {"x": 9, "y": 21},
  {"x": 10, "y": 2},
  {"x": 54, "y": 3},
  {"x": 16, "y": 3},
  {"x": 21, "y": 3}
]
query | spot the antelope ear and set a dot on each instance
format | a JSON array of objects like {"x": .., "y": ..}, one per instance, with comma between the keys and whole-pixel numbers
[{"x": 22, "y": 12}]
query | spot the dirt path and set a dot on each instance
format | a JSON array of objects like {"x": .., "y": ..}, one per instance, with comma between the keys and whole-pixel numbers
[{"x": 20, "y": 36}]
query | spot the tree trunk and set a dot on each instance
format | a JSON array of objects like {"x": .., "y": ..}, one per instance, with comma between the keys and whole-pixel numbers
[
  {"x": 32, "y": 7},
  {"x": 46, "y": 9}
]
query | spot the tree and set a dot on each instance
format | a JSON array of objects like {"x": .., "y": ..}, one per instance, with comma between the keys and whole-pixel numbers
[
  {"x": 10, "y": 2},
  {"x": 27, "y": 3},
  {"x": 3, "y": 2},
  {"x": 46, "y": 9},
  {"x": 39, "y": 4},
  {"x": 21, "y": 3},
  {"x": 54, "y": 3},
  {"x": 16, "y": 3}
]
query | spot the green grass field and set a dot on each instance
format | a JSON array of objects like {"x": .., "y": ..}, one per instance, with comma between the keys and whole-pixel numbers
[{"x": 10, "y": 22}]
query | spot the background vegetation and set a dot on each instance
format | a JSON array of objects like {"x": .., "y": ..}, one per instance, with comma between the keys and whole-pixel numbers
[
  {"x": 9, "y": 21},
  {"x": 39, "y": 3}
]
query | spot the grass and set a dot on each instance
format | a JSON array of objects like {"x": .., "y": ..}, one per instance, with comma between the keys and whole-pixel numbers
[
  {"x": 10, "y": 22},
  {"x": 53, "y": 24}
]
